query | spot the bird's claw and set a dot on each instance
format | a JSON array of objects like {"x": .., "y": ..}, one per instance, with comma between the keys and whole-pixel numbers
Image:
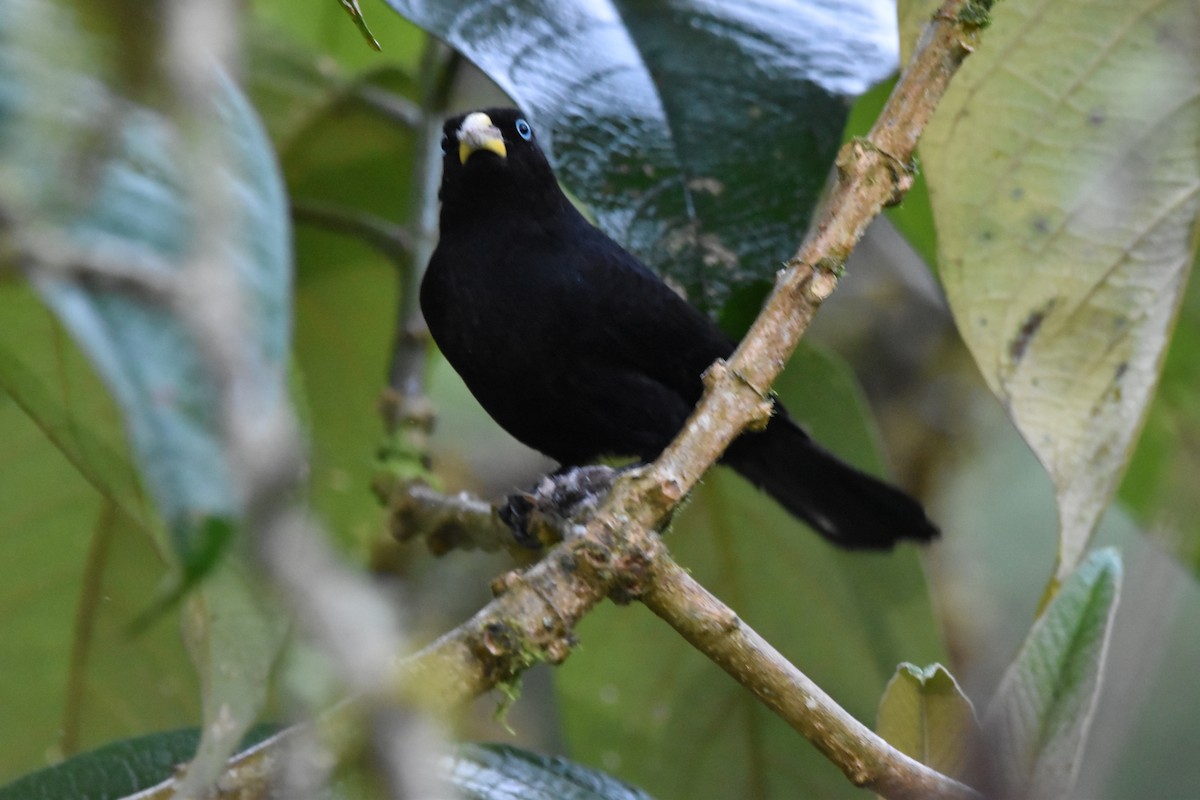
[{"x": 561, "y": 502}]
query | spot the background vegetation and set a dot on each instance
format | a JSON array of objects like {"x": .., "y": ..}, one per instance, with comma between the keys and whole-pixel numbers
[{"x": 1036, "y": 276}]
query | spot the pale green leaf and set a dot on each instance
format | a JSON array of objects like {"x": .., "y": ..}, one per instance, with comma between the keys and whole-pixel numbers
[
  {"x": 925, "y": 715},
  {"x": 83, "y": 553},
  {"x": 1064, "y": 172},
  {"x": 1036, "y": 725}
]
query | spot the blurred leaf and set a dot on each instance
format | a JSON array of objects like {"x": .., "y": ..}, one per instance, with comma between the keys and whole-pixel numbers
[
  {"x": 345, "y": 157},
  {"x": 81, "y": 558},
  {"x": 1037, "y": 723},
  {"x": 96, "y": 173},
  {"x": 500, "y": 772},
  {"x": 117, "y": 769},
  {"x": 640, "y": 702},
  {"x": 698, "y": 132},
  {"x": 234, "y": 634},
  {"x": 925, "y": 715},
  {"x": 1064, "y": 171},
  {"x": 140, "y": 207}
]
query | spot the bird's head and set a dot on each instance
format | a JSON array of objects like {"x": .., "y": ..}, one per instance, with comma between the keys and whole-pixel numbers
[{"x": 492, "y": 156}]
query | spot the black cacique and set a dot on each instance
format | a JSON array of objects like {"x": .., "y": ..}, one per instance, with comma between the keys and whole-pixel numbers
[{"x": 578, "y": 350}]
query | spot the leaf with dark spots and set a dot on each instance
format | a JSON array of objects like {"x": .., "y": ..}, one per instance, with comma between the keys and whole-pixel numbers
[
  {"x": 1018, "y": 346},
  {"x": 624, "y": 94},
  {"x": 1078, "y": 154}
]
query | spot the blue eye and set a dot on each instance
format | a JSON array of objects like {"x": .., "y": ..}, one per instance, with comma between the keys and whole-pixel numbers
[{"x": 523, "y": 130}]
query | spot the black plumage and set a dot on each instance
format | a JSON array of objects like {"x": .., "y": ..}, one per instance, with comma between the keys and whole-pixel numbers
[{"x": 578, "y": 350}]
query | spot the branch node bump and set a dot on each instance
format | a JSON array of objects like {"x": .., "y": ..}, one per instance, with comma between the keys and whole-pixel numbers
[
  {"x": 502, "y": 583},
  {"x": 720, "y": 371},
  {"x": 825, "y": 275}
]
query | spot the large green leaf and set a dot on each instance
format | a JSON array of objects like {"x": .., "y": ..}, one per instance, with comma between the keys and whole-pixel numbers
[
  {"x": 641, "y": 703},
  {"x": 1037, "y": 723},
  {"x": 1064, "y": 171},
  {"x": 87, "y": 170},
  {"x": 133, "y": 202},
  {"x": 81, "y": 556},
  {"x": 698, "y": 132},
  {"x": 118, "y": 769}
]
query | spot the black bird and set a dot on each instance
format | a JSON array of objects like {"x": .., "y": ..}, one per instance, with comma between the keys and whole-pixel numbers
[{"x": 578, "y": 350}]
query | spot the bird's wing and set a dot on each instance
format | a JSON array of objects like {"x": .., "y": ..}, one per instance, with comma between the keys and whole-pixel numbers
[{"x": 637, "y": 322}]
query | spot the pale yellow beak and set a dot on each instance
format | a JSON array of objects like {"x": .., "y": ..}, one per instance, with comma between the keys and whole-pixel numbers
[{"x": 478, "y": 133}]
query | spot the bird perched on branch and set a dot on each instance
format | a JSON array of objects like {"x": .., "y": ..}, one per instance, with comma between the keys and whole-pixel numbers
[{"x": 578, "y": 350}]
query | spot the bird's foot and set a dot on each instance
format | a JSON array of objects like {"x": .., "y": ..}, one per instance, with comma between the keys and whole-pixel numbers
[{"x": 559, "y": 506}]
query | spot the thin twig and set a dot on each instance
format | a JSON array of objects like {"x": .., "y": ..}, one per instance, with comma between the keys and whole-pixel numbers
[
  {"x": 406, "y": 374},
  {"x": 445, "y": 523},
  {"x": 394, "y": 241}
]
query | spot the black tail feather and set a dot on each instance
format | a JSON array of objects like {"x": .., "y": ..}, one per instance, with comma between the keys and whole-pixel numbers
[{"x": 848, "y": 507}]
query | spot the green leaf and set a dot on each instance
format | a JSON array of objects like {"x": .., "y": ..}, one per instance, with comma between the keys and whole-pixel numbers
[
  {"x": 83, "y": 553},
  {"x": 925, "y": 715},
  {"x": 699, "y": 133},
  {"x": 638, "y": 701},
  {"x": 141, "y": 207},
  {"x": 118, "y": 769},
  {"x": 1064, "y": 172},
  {"x": 1037, "y": 723},
  {"x": 100, "y": 177},
  {"x": 501, "y": 772}
]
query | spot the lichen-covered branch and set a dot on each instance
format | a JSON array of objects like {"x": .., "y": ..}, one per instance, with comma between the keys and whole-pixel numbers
[{"x": 533, "y": 616}]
